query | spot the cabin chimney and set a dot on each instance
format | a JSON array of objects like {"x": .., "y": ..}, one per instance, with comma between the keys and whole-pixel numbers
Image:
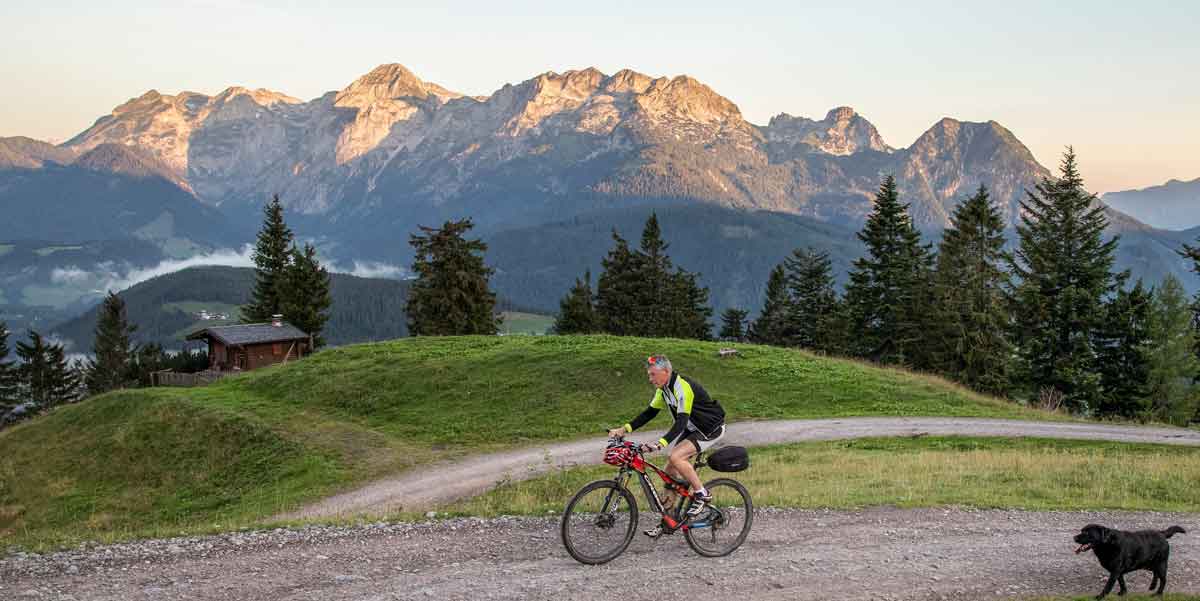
[{"x": 277, "y": 320}]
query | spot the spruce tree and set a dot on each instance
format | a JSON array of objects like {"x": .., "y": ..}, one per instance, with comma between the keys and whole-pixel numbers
[
  {"x": 1063, "y": 268},
  {"x": 1170, "y": 393},
  {"x": 304, "y": 297},
  {"x": 9, "y": 379},
  {"x": 619, "y": 291},
  {"x": 272, "y": 256},
  {"x": 1122, "y": 345},
  {"x": 813, "y": 301},
  {"x": 577, "y": 314},
  {"x": 1193, "y": 253},
  {"x": 44, "y": 373},
  {"x": 733, "y": 325},
  {"x": 450, "y": 296},
  {"x": 770, "y": 326},
  {"x": 971, "y": 323},
  {"x": 687, "y": 307},
  {"x": 110, "y": 368},
  {"x": 889, "y": 288},
  {"x": 640, "y": 293}
]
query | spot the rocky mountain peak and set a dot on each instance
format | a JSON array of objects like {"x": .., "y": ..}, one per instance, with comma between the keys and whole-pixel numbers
[
  {"x": 260, "y": 96},
  {"x": 389, "y": 82},
  {"x": 627, "y": 81},
  {"x": 686, "y": 98},
  {"x": 842, "y": 132}
]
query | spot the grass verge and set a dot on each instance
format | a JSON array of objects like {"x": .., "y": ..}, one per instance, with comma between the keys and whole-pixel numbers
[{"x": 1035, "y": 474}]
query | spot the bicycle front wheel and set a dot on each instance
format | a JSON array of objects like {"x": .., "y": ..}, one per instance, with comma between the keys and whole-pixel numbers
[
  {"x": 723, "y": 526},
  {"x": 599, "y": 522}
]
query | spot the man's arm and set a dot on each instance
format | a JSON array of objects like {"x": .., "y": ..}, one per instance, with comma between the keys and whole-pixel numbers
[{"x": 656, "y": 405}]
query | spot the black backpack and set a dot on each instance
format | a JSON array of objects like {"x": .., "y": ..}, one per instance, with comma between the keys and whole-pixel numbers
[{"x": 729, "y": 459}]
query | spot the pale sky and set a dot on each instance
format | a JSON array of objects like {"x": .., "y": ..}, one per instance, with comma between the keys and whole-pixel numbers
[{"x": 1118, "y": 80}]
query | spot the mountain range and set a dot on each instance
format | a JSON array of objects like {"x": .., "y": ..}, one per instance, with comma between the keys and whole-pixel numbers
[
  {"x": 1174, "y": 205},
  {"x": 359, "y": 168}
]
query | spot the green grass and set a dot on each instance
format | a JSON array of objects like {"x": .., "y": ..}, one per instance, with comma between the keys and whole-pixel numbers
[
  {"x": 147, "y": 462},
  {"x": 1035, "y": 474},
  {"x": 525, "y": 323}
]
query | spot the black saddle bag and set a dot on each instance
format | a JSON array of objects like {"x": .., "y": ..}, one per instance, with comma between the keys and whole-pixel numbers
[{"x": 729, "y": 459}]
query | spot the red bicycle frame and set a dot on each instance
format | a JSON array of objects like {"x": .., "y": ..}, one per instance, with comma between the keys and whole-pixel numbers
[{"x": 637, "y": 465}]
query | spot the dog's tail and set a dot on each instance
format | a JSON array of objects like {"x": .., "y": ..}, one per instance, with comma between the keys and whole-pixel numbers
[{"x": 1173, "y": 530}]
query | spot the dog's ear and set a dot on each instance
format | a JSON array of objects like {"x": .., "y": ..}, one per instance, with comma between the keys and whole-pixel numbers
[{"x": 1108, "y": 536}]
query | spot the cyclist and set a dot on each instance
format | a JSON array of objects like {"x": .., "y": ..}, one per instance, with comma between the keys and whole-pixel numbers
[{"x": 699, "y": 424}]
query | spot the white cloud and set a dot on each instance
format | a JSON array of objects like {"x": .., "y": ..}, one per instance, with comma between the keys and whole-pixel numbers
[
  {"x": 110, "y": 279},
  {"x": 69, "y": 275},
  {"x": 374, "y": 269}
]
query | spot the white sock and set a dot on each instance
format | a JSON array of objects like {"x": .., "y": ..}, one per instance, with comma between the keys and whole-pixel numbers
[{"x": 701, "y": 491}]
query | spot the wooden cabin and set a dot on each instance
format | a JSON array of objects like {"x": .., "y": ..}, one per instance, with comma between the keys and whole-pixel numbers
[{"x": 250, "y": 346}]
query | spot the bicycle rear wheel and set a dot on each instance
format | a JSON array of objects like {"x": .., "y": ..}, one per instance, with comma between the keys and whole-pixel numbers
[
  {"x": 725, "y": 523},
  {"x": 599, "y": 522}
]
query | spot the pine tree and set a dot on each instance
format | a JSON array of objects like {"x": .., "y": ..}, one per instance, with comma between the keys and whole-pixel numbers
[
  {"x": 577, "y": 314},
  {"x": 9, "y": 379},
  {"x": 619, "y": 307},
  {"x": 1170, "y": 394},
  {"x": 640, "y": 293},
  {"x": 772, "y": 320},
  {"x": 1193, "y": 253},
  {"x": 45, "y": 375},
  {"x": 450, "y": 296},
  {"x": 272, "y": 257},
  {"x": 733, "y": 325},
  {"x": 1122, "y": 345},
  {"x": 304, "y": 297},
  {"x": 813, "y": 300},
  {"x": 890, "y": 286},
  {"x": 1064, "y": 272},
  {"x": 971, "y": 322},
  {"x": 110, "y": 369},
  {"x": 687, "y": 308}
]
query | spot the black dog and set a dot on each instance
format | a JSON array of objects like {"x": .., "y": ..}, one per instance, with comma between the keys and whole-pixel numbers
[{"x": 1121, "y": 552}]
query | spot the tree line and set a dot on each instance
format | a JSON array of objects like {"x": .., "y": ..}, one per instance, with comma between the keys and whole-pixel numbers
[{"x": 1048, "y": 323}]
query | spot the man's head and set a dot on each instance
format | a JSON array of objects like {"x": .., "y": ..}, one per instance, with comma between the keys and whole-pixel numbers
[{"x": 658, "y": 370}]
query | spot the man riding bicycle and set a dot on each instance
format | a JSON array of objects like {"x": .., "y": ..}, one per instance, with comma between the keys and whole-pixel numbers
[{"x": 699, "y": 424}]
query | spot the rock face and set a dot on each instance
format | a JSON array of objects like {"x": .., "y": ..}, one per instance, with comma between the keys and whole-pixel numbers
[{"x": 391, "y": 150}]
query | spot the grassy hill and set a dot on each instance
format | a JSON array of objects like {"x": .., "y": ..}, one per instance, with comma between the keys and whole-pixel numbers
[{"x": 164, "y": 461}]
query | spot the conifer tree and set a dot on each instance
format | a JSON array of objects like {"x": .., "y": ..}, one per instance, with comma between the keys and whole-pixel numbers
[
  {"x": 1122, "y": 346},
  {"x": 450, "y": 296},
  {"x": 619, "y": 291},
  {"x": 733, "y": 325},
  {"x": 970, "y": 324},
  {"x": 1170, "y": 393},
  {"x": 272, "y": 256},
  {"x": 113, "y": 351},
  {"x": 813, "y": 301},
  {"x": 304, "y": 296},
  {"x": 45, "y": 375},
  {"x": 890, "y": 286},
  {"x": 1063, "y": 268},
  {"x": 577, "y": 314},
  {"x": 9, "y": 380},
  {"x": 770, "y": 326},
  {"x": 640, "y": 293}
]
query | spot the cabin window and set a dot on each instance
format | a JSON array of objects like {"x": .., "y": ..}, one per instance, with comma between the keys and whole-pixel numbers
[{"x": 277, "y": 349}]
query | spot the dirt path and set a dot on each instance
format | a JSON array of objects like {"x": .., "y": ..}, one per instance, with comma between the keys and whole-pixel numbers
[
  {"x": 431, "y": 486},
  {"x": 790, "y": 554}
]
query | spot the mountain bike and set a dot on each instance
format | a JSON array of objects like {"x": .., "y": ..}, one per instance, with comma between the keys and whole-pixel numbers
[{"x": 602, "y": 518}]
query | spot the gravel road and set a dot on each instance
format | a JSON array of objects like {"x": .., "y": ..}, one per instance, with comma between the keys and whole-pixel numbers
[
  {"x": 428, "y": 487},
  {"x": 881, "y": 553}
]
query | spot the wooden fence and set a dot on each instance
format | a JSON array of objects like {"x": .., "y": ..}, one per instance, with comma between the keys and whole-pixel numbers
[{"x": 201, "y": 378}]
